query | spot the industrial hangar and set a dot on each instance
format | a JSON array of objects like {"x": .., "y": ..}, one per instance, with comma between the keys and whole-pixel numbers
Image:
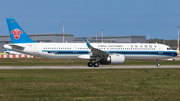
[{"x": 69, "y": 38}]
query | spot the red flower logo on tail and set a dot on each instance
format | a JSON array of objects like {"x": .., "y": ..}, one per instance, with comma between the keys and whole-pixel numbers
[{"x": 16, "y": 33}]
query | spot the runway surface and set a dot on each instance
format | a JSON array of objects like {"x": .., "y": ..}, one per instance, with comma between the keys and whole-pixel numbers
[{"x": 85, "y": 67}]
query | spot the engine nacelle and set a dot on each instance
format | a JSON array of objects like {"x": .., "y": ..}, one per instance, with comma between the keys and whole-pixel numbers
[{"x": 114, "y": 59}]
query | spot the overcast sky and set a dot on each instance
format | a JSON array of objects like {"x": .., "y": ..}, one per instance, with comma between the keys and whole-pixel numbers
[{"x": 86, "y": 17}]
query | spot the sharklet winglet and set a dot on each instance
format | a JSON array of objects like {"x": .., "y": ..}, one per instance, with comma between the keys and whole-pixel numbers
[{"x": 87, "y": 43}]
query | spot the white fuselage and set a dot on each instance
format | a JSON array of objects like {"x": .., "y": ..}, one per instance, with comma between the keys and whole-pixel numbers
[{"x": 74, "y": 50}]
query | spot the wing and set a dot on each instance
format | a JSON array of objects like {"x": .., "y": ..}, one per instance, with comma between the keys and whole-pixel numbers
[{"x": 96, "y": 52}]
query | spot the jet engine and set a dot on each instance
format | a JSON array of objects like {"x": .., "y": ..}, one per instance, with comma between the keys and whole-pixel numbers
[{"x": 114, "y": 59}]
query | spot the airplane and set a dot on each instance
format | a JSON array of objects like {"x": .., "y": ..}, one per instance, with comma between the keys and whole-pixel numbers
[{"x": 103, "y": 53}]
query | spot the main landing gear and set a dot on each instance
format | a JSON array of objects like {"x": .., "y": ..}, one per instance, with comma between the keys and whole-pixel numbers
[
  {"x": 158, "y": 64},
  {"x": 90, "y": 64}
]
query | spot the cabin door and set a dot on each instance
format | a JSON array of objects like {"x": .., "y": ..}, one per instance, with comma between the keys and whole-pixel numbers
[{"x": 75, "y": 49}]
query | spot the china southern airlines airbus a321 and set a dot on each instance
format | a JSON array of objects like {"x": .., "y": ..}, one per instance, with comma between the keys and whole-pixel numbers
[{"x": 103, "y": 53}]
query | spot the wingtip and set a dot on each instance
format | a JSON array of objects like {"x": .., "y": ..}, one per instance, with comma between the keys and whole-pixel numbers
[
  {"x": 10, "y": 19},
  {"x": 85, "y": 39},
  {"x": 87, "y": 43}
]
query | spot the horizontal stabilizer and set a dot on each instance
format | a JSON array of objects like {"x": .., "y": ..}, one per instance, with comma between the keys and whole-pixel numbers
[{"x": 15, "y": 46}]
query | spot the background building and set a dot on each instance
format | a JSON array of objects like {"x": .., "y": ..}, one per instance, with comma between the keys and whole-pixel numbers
[
  {"x": 44, "y": 38},
  {"x": 58, "y": 37},
  {"x": 113, "y": 39}
]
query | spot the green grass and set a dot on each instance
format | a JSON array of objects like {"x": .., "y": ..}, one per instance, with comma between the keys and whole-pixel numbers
[
  {"x": 52, "y": 62},
  {"x": 91, "y": 84},
  {"x": 39, "y": 62}
]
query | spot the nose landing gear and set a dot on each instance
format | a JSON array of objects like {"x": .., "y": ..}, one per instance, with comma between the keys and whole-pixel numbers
[{"x": 158, "y": 64}]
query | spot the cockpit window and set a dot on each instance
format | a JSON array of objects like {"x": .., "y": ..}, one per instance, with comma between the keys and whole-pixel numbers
[{"x": 169, "y": 48}]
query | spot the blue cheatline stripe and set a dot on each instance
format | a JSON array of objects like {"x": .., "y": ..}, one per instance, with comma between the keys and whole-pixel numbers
[
  {"x": 80, "y": 52},
  {"x": 145, "y": 53},
  {"x": 63, "y": 50},
  {"x": 72, "y": 53},
  {"x": 75, "y": 52}
]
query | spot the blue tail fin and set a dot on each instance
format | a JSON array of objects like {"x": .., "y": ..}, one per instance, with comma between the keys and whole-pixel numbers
[{"x": 16, "y": 32}]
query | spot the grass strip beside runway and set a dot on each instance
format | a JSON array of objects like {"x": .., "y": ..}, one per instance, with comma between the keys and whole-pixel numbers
[
  {"x": 52, "y": 62},
  {"x": 93, "y": 84}
]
